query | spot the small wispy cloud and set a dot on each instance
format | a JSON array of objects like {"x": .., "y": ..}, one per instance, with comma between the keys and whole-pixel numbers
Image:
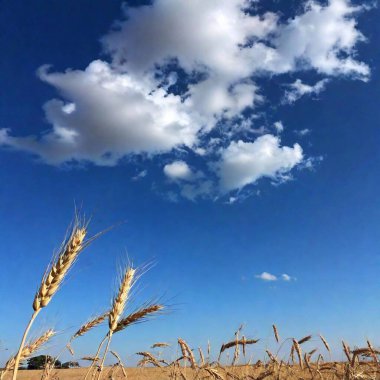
[
  {"x": 265, "y": 276},
  {"x": 299, "y": 89},
  {"x": 286, "y": 277},
  {"x": 302, "y": 132},
  {"x": 140, "y": 175}
]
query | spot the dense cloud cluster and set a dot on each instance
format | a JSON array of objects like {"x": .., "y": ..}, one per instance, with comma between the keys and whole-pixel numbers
[{"x": 212, "y": 53}]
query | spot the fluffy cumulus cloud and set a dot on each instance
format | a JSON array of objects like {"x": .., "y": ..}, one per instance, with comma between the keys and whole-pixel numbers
[
  {"x": 243, "y": 163},
  {"x": 182, "y": 76},
  {"x": 178, "y": 170}
]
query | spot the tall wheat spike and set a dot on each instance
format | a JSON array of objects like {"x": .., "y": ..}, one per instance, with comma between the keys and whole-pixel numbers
[
  {"x": 117, "y": 309},
  {"x": 187, "y": 352},
  {"x": 346, "y": 350},
  {"x": 201, "y": 357},
  {"x": 53, "y": 278},
  {"x": 297, "y": 348}
]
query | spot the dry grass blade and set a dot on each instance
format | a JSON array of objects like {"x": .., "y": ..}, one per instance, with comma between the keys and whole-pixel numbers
[{"x": 138, "y": 316}]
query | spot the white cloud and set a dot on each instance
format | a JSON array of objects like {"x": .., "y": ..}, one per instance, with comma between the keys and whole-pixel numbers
[
  {"x": 279, "y": 126},
  {"x": 140, "y": 175},
  {"x": 299, "y": 89},
  {"x": 302, "y": 132},
  {"x": 265, "y": 276},
  {"x": 286, "y": 277},
  {"x": 322, "y": 38},
  {"x": 124, "y": 106},
  {"x": 178, "y": 170},
  {"x": 243, "y": 163}
]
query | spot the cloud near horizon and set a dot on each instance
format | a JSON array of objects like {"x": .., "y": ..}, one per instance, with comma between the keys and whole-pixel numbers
[
  {"x": 195, "y": 90},
  {"x": 266, "y": 276}
]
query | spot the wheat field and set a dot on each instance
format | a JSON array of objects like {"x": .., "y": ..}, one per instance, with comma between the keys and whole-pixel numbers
[{"x": 293, "y": 358}]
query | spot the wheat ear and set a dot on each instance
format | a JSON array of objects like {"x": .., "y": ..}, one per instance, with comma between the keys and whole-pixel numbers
[
  {"x": 53, "y": 278},
  {"x": 89, "y": 325},
  {"x": 28, "y": 350},
  {"x": 117, "y": 309},
  {"x": 138, "y": 316},
  {"x": 275, "y": 332}
]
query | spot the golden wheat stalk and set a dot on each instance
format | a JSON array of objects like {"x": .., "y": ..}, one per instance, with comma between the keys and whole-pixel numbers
[
  {"x": 298, "y": 350},
  {"x": 116, "y": 355},
  {"x": 121, "y": 299},
  {"x": 28, "y": 350},
  {"x": 187, "y": 353},
  {"x": 373, "y": 352},
  {"x": 117, "y": 309},
  {"x": 271, "y": 356},
  {"x": 53, "y": 278},
  {"x": 292, "y": 353},
  {"x": 346, "y": 350},
  {"x": 201, "y": 357}
]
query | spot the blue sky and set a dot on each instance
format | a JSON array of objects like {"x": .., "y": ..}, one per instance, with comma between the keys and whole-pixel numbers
[{"x": 236, "y": 146}]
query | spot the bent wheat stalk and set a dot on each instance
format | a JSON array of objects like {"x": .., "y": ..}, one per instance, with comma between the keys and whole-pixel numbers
[
  {"x": 86, "y": 327},
  {"x": 28, "y": 350},
  {"x": 53, "y": 278}
]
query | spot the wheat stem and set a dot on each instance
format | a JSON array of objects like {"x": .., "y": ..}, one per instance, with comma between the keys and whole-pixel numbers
[{"x": 18, "y": 356}]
